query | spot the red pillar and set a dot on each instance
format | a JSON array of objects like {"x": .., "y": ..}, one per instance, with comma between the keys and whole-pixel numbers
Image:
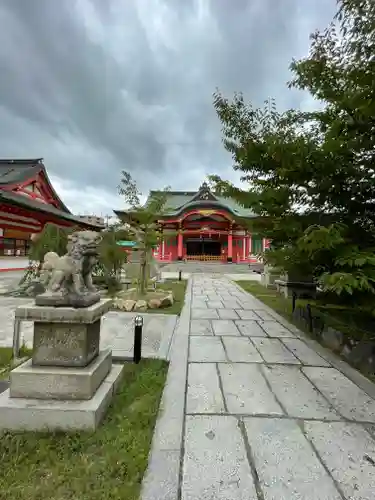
[
  {"x": 179, "y": 246},
  {"x": 230, "y": 247}
]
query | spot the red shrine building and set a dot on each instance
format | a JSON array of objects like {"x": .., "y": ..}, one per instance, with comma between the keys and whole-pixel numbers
[
  {"x": 27, "y": 203},
  {"x": 200, "y": 225}
]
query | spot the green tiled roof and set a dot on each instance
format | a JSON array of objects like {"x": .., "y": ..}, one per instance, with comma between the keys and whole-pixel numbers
[
  {"x": 178, "y": 200},
  {"x": 182, "y": 201}
]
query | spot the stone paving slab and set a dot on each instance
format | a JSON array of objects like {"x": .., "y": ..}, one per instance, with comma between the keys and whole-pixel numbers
[
  {"x": 199, "y": 304},
  {"x": 7, "y": 308},
  {"x": 343, "y": 394},
  {"x": 206, "y": 349},
  {"x": 248, "y": 314},
  {"x": 275, "y": 329},
  {"x": 118, "y": 333},
  {"x": 232, "y": 304},
  {"x": 213, "y": 297},
  {"x": 250, "y": 328},
  {"x": 348, "y": 452},
  {"x": 215, "y": 463},
  {"x": 204, "y": 313},
  {"x": 163, "y": 464},
  {"x": 168, "y": 432},
  {"x": 241, "y": 350},
  {"x": 248, "y": 306},
  {"x": 297, "y": 394},
  {"x": 226, "y": 296},
  {"x": 227, "y": 314},
  {"x": 204, "y": 394},
  {"x": 199, "y": 296},
  {"x": 306, "y": 355},
  {"x": 201, "y": 327},
  {"x": 286, "y": 464},
  {"x": 215, "y": 304},
  {"x": 246, "y": 390},
  {"x": 225, "y": 327},
  {"x": 273, "y": 351},
  {"x": 264, "y": 315}
]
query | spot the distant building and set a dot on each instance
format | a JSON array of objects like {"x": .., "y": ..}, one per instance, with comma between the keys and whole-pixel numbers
[{"x": 200, "y": 225}]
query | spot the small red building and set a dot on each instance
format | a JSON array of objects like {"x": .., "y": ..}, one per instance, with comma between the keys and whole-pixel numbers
[
  {"x": 199, "y": 225},
  {"x": 27, "y": 203}
]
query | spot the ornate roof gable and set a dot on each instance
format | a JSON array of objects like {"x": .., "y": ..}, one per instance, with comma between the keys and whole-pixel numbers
[{"x": 204, "y": 194}]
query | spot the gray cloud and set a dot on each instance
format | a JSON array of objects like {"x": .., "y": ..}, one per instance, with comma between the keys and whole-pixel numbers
[{"x": 96, "y": 86}]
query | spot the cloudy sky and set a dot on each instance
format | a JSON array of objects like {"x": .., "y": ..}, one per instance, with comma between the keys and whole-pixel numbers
[{"x": 97, "y": 86}]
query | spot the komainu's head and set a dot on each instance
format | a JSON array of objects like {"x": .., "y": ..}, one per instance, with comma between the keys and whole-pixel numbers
[{"x": 85, "y": 242}]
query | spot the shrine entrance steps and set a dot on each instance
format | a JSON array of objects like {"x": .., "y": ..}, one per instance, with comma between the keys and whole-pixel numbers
[{"x": 207, "y": 267}]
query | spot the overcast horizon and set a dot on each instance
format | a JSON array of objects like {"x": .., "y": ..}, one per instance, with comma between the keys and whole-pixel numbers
[{"x": 99, "y": 86}]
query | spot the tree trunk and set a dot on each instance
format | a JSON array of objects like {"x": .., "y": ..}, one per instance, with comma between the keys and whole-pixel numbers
[{"x": 142, "y": 285}]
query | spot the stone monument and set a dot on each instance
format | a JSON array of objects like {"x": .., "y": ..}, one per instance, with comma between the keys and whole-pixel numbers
[
  {"x": 68, "y": 383},
  {"x": 269, "y": 276}
]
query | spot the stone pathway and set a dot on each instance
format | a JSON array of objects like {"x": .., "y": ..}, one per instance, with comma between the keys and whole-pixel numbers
[{"x": 263, "y": 415}]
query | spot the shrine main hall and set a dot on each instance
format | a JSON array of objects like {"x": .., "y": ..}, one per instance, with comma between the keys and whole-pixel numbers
[{"x": 200, "y": 225}]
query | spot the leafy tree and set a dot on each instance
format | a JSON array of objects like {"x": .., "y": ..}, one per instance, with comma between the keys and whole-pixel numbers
[
  {"x": 311, "y": 175},
  {"x": 340, "y": 71},
  {"x": 142, "y": 220},
  {"x": 270, "y": 150}
]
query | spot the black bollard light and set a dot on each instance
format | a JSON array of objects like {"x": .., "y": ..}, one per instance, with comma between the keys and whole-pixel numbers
[
  {"x": 138, "y": 327},
  {"x": 179, "y": 275}
]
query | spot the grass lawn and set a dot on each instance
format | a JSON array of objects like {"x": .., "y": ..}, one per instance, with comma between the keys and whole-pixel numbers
[
  {"x": 5, "y": 357},
  {"x": 270, "y": 297},
  {"x": 6, "y": 354},
  {"x": 106, "y": 465},
  {"x": 5, "y": 360},
  {"x": 283, "y": 306},
  {"x": 344, "y": 319}
]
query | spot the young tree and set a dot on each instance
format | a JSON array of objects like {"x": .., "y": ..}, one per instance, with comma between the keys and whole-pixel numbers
[
  {"x": 111, "y": 256},
  {"x": 142, "y": 220},
  {"x": 311, "y": 175}
]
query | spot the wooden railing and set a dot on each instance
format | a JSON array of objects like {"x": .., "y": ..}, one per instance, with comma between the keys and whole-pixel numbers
[{"x": 205, "y": 258}]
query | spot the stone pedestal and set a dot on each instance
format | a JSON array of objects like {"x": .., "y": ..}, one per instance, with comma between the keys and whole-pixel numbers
[
  {"x": 40, "y": 382},
  {"x": 64, "y": 336},
  {"x": 68, "y": 384}
]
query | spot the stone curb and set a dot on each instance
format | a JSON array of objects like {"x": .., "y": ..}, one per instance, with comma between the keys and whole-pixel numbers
[
  {"x": 162, "y": 477},
  {"x": 354, "y": 375}
]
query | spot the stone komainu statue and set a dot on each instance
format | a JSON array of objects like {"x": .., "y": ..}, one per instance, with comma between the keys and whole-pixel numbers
[{"x": 68, "y": 279}]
